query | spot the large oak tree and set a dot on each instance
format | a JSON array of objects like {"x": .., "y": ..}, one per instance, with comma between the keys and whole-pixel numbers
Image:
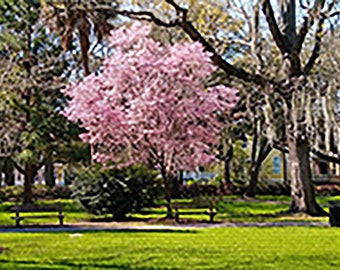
[{"x": 291, "y": 26}]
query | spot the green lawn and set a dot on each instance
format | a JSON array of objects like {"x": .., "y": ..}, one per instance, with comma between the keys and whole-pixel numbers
[
  {"x": 231, "y": 209},
  {"x": 224, "y": 248}
]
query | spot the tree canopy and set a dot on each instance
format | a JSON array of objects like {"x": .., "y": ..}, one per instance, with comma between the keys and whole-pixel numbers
[{"x": 150, "y": 104}]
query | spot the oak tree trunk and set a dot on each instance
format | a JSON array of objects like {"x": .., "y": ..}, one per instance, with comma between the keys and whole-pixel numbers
[{"x": 302, "y": 190}]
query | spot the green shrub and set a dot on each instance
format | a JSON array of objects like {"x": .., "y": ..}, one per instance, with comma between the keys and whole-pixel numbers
[
  {"x": 39, "y": 192},
  {"x": 2, "y": 196},
  {"x": 272, "y": 188},
  {"x": 196, "y": 189},
  {"x": 61, "y": 192},
  {"x": 116, "y": 191},
  {"x": 12, "y": 193}
]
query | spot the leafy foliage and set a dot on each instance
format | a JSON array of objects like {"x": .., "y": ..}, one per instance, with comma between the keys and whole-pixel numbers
[
  {"x": 115, "y": 191},
  {"x": 32, "y": 74},
  {"x": 67, "y": 18}
]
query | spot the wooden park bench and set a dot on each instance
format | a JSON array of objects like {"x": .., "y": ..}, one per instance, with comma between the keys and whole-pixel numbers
[
  {"x": 47, "y": 211},
  {"x": 211, "y": 213},
  {"x": 334, "y": 213}
]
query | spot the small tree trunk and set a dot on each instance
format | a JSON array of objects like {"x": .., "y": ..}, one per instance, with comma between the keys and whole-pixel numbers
[
  {"x": 226, "y": 177},
  {"x": 254, "y": 179},
  {"x": 49, "y": 173},
  {"x": 1, "y": 171},
  {"x": 226, "y": 168},
  {"x": 302, "y": 190},
  {"x": 284, "y": 165},
  {"x": 8, "y": 170},
  {"x": 256, "y": 163},
  {"x": 28, "y": 181}
]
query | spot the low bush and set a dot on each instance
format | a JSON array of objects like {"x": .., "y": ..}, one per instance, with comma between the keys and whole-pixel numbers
[
  {"x": 61, "y": 192},
  {"x": 272, "y": 188},
  {"x": 116, "y": 191},
  {"x": 2, "y": 196},
  {"x": 39, "y": 192},
  {"x": 12, "y": 193},
  {"x": 197, "y": 189},
  {"x": 327, "y": 190}
]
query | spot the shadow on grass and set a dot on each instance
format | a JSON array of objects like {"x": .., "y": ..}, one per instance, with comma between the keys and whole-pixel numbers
[
  {"x": 259, "y": 216},
  {"x": 110, "y": 219},
  {"x": 31, "y": 264},
  {"x": 89, "y": 229}
]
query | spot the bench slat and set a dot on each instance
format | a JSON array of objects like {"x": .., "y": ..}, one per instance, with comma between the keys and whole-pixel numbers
[
  {"x": 210, "y": 213},
  {"x": 37, "y": 217},
  {"x": 196, "y": 213}
]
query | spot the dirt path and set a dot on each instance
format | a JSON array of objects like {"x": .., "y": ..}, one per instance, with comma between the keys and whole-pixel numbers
[{"x": 85, "y": 226}]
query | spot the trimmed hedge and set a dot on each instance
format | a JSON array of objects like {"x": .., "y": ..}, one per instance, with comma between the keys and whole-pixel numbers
[{"x": 39, "y": 192}]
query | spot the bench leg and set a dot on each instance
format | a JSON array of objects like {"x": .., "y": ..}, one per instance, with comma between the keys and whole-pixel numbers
[
  {"x": 211, "y": 217},
  {"x": 17, "y": 222},
  {"x": 61, "y": 221},
  {"x": 177, "y": 217}
]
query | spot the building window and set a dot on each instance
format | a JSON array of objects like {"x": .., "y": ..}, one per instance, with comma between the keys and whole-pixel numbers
[{"x": 323, "y": 168}]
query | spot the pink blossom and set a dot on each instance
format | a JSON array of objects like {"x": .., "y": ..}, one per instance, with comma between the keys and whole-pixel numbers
[{"x": 149, "y": 105}]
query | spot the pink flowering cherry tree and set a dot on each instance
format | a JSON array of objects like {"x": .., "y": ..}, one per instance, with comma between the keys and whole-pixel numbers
[{"x": 149, "y": 105}]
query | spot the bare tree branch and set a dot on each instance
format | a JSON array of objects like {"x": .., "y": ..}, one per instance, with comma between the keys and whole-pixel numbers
[
  {"x": 219, "y": 61},
  {"x": 18, "y": 167},
  {"x": 308, "y": 23},
  {"x": 188, "y": 28},
  {"x": 326, "y": 157},
  {"x": 279, "y": 39},
  {"x": 144, "y": 15},
  {"x": 315, "y": 152},
  {"x": 317, "y": 47},
  {"x": 334, "y": 14}
]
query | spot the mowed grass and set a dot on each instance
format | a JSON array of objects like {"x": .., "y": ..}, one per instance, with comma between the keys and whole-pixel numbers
[
  {"x": 230, "y": 209},
  {"x": 223, "y": 248}
]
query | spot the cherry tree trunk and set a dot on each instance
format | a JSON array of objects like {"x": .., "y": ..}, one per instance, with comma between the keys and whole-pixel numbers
[
  {"x": 302, "y": 190},
  {"x": 167, "y": 193}
]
